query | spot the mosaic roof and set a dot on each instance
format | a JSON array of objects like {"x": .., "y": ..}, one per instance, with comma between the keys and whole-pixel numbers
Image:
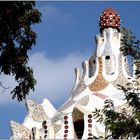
[{"x": 109, "y": 18}]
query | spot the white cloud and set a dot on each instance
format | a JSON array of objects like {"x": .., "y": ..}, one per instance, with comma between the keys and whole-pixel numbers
[{"x": 55, "y": 78}]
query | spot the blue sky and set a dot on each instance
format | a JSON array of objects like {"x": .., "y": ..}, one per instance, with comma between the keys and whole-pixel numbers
[{"x": 65, "y": 39}]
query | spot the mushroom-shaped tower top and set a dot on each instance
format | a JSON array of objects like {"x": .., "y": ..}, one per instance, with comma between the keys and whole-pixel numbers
[{"x": 109, "y": 18}]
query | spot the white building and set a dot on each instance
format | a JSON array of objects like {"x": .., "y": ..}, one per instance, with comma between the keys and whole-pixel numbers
[{"x": 102, "y": 73}]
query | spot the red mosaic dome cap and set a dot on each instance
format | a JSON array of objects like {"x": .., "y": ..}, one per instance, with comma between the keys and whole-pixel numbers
[{"x": 109, "y": 18}]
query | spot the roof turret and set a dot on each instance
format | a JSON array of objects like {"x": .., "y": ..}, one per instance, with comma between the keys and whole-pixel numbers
[{"x": 109, "y": 18}]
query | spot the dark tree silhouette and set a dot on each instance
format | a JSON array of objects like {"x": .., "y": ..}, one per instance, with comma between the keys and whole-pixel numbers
[{"x": 16, "y": 39}]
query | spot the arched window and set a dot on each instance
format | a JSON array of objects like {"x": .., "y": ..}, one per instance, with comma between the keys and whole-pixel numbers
[{"x": 78, "y": 121}]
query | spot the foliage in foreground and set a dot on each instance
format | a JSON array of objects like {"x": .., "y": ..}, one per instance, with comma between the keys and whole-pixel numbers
[{"x": 16, "y": 39}]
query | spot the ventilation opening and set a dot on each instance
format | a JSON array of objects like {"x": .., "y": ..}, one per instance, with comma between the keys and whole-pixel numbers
[
  {"x": 107, "y": 57},
  {"x": 78, "y": 121},
  {"x": 94, "y": 61}
]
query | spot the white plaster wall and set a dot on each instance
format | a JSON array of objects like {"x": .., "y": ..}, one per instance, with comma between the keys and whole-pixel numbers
[
  {"x": 77, "y": 78},
  {"x": 93, "y": 129},
  {"x": 71, "y": 127},
  {"x": 48, "y": 108},
  {"x": 50, "y": 134},
  {"x": 110, "y": 65},
  {"x": 85, "y": 134},
  {"x": 109, "y": 44},
  {"x": 107, "y": 77},
  {"x": 91, "y": 79},
  {"x": 29, "y": 123}
]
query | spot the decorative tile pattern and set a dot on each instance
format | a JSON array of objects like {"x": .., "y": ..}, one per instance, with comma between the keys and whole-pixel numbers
[
  {"x": 100, "y": 83},
  {"x": 90, "y": 135},
  {"x": 57, "y": 127},
  {"x": 33, "y": 132},
  {"x": 121, "y": 79},
  {"x": 84, "y": 101},
  {"x": 80, "y": 88},
  {"x": 100, "y": 95},
  {"x": 45, "y": 128},
  {"x": 110, "y": 65},
  {"x": 57, "y": 117},
  {"x": 66, "y": 105},
  {"x": 65, "y": 127},
  {"x": 136, "y": 83},
  {"x": 20, "y": 131},
  {"x": 36, "y": 111},
  {"x": 122, "y": 107},
  {"x": 109, "y": 18}
]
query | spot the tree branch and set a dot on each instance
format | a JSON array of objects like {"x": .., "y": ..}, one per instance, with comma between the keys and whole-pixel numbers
[{"x": 4, "y": 88}]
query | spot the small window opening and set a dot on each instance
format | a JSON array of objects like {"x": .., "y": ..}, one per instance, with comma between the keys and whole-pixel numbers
[{"x": 107, "y": 57}]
